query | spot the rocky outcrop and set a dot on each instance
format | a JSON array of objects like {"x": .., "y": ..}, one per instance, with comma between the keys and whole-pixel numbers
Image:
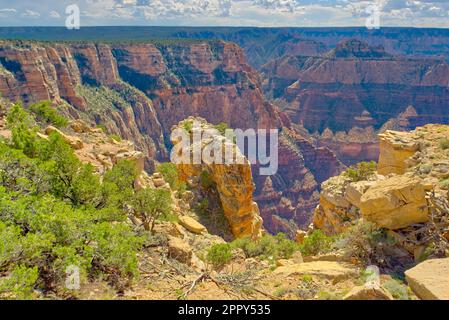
[
  {"x": 429, "y": 279},
  {"x": 395, "y": 203},
  {"x": 233, "y": 182},
  {"x": 192, "y": 225},
  {"x": 396, "y": 148},
  {"x": 409, "y": 200},
  {"x": 139, "y": 91}
]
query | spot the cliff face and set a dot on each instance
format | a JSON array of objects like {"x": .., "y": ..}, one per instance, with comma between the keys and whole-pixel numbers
[
  {"x": 141, "y": 90},
  {"x": 358, "y": 86},
  {"x": 146, "y": 88}
]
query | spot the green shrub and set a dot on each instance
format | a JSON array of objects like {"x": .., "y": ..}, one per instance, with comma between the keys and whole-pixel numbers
[
  {"x": 444, "y": 184},
  {"x": 444, "y": 144},
  {"x": 151, "y": 205},
  {"x": 46, "y": 114},
  {"x": 222, "y": 127},
  {"x": 115, "y": 137},
  {"x": 219, "y": 254},
  {"x": 102, "y": 127},
  {"x": 368, "y": 244},
  {"x": 56, "y": 212},
  {"x": 188, "y": 125},
  {"x": 19, "y": 284},
  {"x": 398, "y": 290},
  {"x": 23, "y": 129},
  {"x": 361, "y": 171},
  {"x": 317, "y": 243},
  {"x": 275, "y": 247},
  {"x": 170, "y": 173},
  {"x": 206, "y": 180}
]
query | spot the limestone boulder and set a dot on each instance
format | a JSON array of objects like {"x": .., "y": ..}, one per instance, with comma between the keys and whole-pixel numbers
[
  {"x": 134, "y": 156},
  {"x": 79, "y": 126},
  {"x": 333, "y": 190},
  {"x": 192, "y": 225},
  {"x": 158, "y": 182},
  {"x": 300, "y": 236},
  {"x": 395, "y": 203},
  {"x": 180, "y": 250},
  {"x": 429, "y": 280},
  {"x": 75, "y": 142},
  {"x": 368, "y": 293},
  {"x": 354, "y": 191}
]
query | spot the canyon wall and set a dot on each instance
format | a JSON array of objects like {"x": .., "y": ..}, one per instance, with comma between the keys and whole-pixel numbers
[
  {"x": 355, "y": 90},
  {"x": 140, "y": 90}
]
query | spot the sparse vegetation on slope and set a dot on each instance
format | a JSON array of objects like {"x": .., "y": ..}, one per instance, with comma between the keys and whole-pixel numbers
[{"x": 56, "y": 213}]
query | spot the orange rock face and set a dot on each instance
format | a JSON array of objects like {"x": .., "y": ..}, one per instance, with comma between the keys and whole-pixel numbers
[{"x": 233, "y": 182}]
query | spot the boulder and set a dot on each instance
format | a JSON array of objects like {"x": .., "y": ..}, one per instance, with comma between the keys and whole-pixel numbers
[
  {"x": 354, "y": 191},
  {"x": 180, "y": 250},
  {"x": 192, "y": 225},
  {"x": 324, "y": 269},
  {"x": 75, "y": 142},
  {"x": 136, "y": 157},
  {"x": 395, "y": 203},
  {"x": 333, "y": 190},
  {"x": 429, "y": 280},
  {"x": 368, "y": 293},
  {"x": 79, "y": 126}
]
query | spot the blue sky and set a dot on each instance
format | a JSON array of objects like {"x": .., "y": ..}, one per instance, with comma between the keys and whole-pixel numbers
[{"x": 427, "y": 13}]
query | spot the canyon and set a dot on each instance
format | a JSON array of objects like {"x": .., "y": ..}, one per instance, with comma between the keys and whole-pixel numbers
[
  {"x": 140, "y": 91},
  {"x": 328, "y": 93}
]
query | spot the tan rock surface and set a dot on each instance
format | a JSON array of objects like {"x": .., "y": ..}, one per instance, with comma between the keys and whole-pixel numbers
[
  {"x": 395, "y": 203},
  {"x": 395, "y": 148},
  {"x": 430, "y": 279},
  {"x": 368, "y": 293},
  {"x": 192, "y": 225},
  {"x": 325, "y": 269},
  {"x": 180, "y": 250}
]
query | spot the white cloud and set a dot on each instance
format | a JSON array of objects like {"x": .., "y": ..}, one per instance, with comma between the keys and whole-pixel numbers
[
  {"x": 55, "y": 14},
  {"x": 8, "y": 10},
  {"x": 31, "y": 14}
]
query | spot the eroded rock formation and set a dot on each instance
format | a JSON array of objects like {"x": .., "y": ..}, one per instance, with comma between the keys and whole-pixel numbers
[
  {"x": 407, "y": 194},
  {"x": 232, "y": 181}
]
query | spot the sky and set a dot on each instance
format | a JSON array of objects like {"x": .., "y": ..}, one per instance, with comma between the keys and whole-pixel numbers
[{"x": 263, "y": 13}]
